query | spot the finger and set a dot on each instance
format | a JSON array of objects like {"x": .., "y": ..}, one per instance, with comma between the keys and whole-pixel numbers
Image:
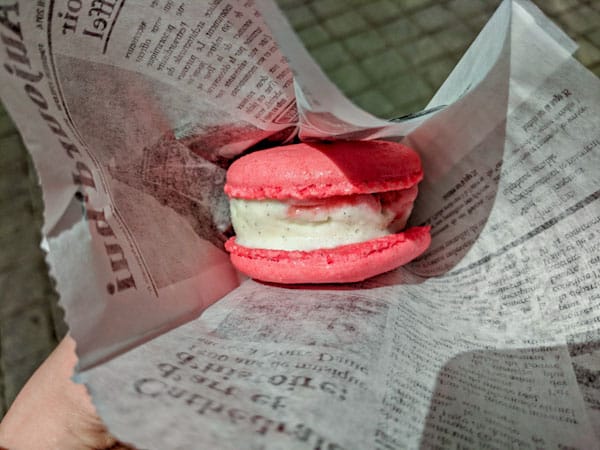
[{"x": 52, "y": 411}]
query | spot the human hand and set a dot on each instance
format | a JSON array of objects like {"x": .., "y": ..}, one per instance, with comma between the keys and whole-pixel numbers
[{"x": 53, "y": 412}]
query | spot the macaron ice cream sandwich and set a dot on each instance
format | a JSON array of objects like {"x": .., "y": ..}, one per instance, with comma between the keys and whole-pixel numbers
[{"x": 324, "y": 212}]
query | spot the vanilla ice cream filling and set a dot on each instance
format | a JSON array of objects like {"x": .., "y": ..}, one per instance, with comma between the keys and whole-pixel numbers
[{"x": 321, "y": 223}]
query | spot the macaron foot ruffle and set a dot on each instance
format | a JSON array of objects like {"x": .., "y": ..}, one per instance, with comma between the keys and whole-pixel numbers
[{"x": 343, "y": 264}]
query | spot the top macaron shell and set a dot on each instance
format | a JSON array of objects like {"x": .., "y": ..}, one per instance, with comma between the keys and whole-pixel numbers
[{"x": 321, "y": 170}]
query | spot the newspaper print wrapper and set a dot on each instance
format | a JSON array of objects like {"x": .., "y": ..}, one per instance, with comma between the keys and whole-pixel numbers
[{"x": 490, "y": 338}]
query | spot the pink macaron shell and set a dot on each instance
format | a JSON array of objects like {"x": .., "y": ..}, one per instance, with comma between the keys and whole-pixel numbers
[
  {"x": 321, "y": 170},
  {"x": 343, "y": 264}
]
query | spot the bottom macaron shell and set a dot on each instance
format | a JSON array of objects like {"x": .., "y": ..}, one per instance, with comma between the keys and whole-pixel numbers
[{"x": 343, "y": 264}]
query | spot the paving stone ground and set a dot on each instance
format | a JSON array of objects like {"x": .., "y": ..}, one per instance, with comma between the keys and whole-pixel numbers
[
  {"x": 388, "y": 56},
  {"x": 29, "y": 324}
]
